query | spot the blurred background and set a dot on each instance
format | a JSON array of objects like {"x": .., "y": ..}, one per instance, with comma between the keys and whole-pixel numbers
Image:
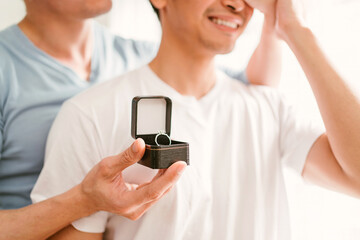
[{"x": 316, "y": 214}]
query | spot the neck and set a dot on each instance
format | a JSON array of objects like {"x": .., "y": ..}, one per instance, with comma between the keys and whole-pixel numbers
[
  {"x": 69, "y": 42},
  {"x": 185, "y": 69}
]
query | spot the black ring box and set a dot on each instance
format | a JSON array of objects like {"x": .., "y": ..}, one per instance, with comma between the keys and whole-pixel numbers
[{"x": 164, "y": 155}]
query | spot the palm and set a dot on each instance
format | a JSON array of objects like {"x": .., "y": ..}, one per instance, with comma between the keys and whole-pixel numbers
[
  {"x": 285, "y": 16},
  {"x": 264, "y": 6}
]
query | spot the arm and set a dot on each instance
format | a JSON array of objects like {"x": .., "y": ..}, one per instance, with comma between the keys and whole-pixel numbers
[
  {"x": 43, "y": 219},
  {"x": 40, "y": 220},
  {"x": 334, "y": 160},
  {"x": 264, "y": 67},
  {"x": 70, "y": 233}
]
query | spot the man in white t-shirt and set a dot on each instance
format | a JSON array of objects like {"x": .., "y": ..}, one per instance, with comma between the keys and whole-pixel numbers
[{"x": 240, "y": 136}]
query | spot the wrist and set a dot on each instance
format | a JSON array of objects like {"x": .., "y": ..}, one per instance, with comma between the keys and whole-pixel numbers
[
  {"x": 269, "y": 20},
  {"x": 292, "y": 32},
  {"x": 269, "y": 24},
  {"x": 77, "y": 199}
]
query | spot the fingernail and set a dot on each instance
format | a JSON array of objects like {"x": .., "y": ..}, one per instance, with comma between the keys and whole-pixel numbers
[{"x": 135, "y": 147}]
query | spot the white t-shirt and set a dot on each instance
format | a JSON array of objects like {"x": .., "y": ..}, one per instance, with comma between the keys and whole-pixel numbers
[{"x": 240, "y": 137}]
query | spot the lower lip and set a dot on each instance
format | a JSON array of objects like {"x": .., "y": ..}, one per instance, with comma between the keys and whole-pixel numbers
[{"x": 224, "y": 28}]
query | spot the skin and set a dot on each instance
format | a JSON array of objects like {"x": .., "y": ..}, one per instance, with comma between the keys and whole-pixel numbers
[
  {"x": 63, "y": 30},
  {"x": 333, "y": 159},
  {"x": 269, "y": 48},
  {"x": 102, "y": 189},
  {"x": 193, "y": 42}
]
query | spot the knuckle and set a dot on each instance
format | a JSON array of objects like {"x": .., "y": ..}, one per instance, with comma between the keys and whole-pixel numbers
[
  {"x": 154, "y": 195},
  {"x": 104, "y": 167},
  {"x": 127, "y": 157},
  {"x": 133, "y": 216},
  {"x": 121, "y": 211},
  {"x": 124, "y": 212}
]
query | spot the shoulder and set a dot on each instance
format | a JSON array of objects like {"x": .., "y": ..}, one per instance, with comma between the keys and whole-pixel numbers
[
  {"x": 7, "y": 34},
  {"x": 11, "y": 48},
  {"x": 250, "y": 91},
  {"x": 6, "y": 59},
  {"x": 136, "y": 48},
  {"x": 6, "y": 43},
  {"x": 7, "y": 73},
  {"x": 9, "y": 38},
  {"x": 255, "y": 97}
]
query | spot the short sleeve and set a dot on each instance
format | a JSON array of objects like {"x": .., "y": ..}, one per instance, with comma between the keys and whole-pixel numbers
[
  {"x": 135, "y": 53},
  {"x": 72, "y": 150},
  {"x": 1, "y": 131},
  {"x": 297, "y": 135},
  {"x": 146, "y": 49},
  {"x": 2, "y": 94},
  {"x": 238, "y": 75}
]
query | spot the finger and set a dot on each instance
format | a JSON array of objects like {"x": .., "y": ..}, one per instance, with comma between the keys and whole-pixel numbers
[
  {"x": 169, "y": 189},
  {"x": 136, "y": 214},
  {"x": 158, "y": 174},
  {"x": 130, "y": 156},
  {"x": 157, "y": 187},
  {"x": 145, "y": 207}
]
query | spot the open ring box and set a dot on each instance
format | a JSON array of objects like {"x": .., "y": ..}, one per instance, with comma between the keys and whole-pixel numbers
[{"x": 150, "y": 120}]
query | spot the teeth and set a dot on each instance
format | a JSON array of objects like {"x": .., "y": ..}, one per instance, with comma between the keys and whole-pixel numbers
[{"x": 224, "y": 23}]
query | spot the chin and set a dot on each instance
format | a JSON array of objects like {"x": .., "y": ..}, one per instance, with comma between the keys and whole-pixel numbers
[
  {"x": 98, "y": 8},
  {"x": 225, "y": 50},
  {"x": 222, "y": 48},
  {"x": 219, "y": 47}
]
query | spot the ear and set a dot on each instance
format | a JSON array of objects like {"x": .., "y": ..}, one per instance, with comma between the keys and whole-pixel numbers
[{"x": 159, "y": 4}]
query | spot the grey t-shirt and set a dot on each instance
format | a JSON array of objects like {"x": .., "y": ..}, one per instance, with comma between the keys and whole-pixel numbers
[{"x": 33, "y": 86}]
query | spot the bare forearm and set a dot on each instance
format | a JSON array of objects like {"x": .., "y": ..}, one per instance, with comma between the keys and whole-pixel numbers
[
  {"x": 339, "y": 108},
  {"x": 43, "y": 219},
  {"x": 264, "y": 67}
]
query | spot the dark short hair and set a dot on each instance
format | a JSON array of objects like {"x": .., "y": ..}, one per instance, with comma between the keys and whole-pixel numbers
[{"x": 155, "y": 10}]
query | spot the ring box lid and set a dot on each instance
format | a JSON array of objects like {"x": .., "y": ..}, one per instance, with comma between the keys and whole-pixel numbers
[{"x": 150, "y": 115}]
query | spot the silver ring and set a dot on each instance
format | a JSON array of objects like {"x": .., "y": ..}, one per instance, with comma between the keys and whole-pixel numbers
[{"x": 159, "y": 134}]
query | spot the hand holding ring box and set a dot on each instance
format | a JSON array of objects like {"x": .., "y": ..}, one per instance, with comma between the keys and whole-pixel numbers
[{"x": 151, "y": 121}]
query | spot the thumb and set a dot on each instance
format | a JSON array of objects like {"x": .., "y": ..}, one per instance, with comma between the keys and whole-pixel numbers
[{"x": 130, "y": 156}]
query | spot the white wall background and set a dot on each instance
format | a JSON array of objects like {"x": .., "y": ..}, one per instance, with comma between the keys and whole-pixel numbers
[{"x": 316, "y": 214}]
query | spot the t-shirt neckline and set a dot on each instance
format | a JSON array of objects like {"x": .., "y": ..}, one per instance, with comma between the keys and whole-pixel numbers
[
  {"x": 183, "y": 99},
  {"x": 32, "y": 47}
]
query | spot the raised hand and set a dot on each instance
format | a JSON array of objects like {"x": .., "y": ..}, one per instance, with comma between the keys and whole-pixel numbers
[
  {"x": 267, "y": 7},
  {"x": 286, "y": 17}
]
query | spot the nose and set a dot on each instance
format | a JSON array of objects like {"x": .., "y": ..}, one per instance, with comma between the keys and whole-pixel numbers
[{"x": 234, "y": 5}]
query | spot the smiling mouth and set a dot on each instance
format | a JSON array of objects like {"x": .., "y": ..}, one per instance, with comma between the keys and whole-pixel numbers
[{"x": 225, "y": 23}]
